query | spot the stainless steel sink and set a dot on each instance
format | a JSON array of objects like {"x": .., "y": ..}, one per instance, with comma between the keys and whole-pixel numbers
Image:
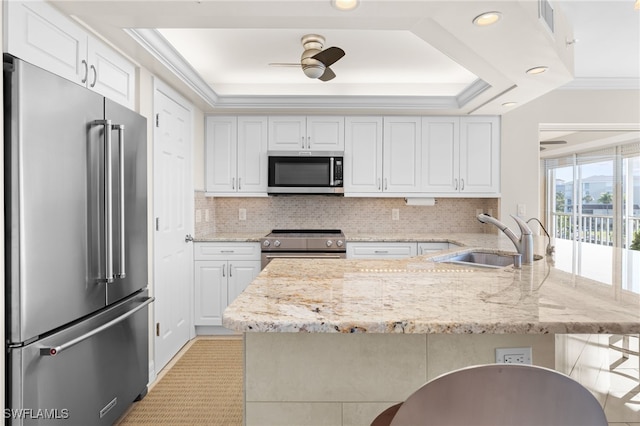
[{"x": 483, "y": 259}]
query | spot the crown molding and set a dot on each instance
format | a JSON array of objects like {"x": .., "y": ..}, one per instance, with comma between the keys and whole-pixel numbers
[
  {"x": 167, "y": 55},
  {"x": 338, "y": 102},
  {"x": 471, "y": 92}
]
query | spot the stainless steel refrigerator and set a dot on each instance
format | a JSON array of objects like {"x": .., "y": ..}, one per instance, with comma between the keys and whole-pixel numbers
[{"x": 76, "y": 251}]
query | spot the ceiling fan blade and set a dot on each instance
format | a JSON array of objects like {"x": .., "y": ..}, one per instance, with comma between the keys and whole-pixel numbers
[
  {"x": 329, "y": 56},
  {"x": 284, "y": 64},
  {"x": 327, "y": 75}
]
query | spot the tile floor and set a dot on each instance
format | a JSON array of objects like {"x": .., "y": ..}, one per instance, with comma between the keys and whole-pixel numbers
[{"x": 622, "y": 401}]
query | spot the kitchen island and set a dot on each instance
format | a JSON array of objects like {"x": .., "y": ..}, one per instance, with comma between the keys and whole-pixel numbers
[{"x": 337, "y": 341}]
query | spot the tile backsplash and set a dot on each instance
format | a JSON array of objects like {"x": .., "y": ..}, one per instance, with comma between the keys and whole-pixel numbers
[{"x": 352, "y": 215}]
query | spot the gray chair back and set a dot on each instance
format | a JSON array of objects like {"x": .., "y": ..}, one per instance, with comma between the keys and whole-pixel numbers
[{"x": 501, "y": 394}]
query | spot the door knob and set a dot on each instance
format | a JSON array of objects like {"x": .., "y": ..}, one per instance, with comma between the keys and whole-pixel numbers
[{"x": 188, "y": 238}]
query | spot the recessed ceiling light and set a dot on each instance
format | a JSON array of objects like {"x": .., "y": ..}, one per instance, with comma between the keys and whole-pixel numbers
[
  {"x": 487, "y": 18},
  {"x": 345, "y": 4},
  {"x": 537, "y": 70},
  {"x": 509, "y": 104}
]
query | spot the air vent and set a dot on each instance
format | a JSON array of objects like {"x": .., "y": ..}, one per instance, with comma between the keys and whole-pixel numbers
[{"x": 545, "y": 12}]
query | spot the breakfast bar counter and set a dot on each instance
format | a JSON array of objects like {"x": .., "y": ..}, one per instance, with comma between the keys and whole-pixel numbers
[
  {"x": 419, "y": 295},
  {"x": 338, "y": 341}
]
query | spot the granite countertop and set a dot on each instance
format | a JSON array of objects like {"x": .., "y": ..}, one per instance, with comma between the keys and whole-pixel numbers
[
  {"x": 418, "y": 295},
  {"x": 249, "y": 237}
]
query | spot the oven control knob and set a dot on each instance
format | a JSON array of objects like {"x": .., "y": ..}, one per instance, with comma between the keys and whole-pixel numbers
[
  {"x": 339, "y": 243},
  {"x": 266, "y": 243},
  {"x": 276, "y": 243},
  {"x": 329, "y": 243}
]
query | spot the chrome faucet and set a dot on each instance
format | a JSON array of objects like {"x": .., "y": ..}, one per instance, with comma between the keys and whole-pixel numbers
[{"x": 524, "y": 244}]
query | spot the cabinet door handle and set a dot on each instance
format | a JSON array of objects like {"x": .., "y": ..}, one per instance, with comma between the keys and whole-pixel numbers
[
  {"x": 239, "y": 184},
  {"x": 233, "y": 183},
  {"x": 223, "y": 267},
  {"x": 230, "y": 270},
  {"x": 461, "y": 184},
  {"x": 86, "y": 71},
  {"x": 379, "y": 182},
  {"x": 385, "y": 184},
  {"x": 303, "y": 142},
  {"x": 95, "y": 76},
  {"x": 309, "y": 142},
  {"x": 455, "y": 184}
]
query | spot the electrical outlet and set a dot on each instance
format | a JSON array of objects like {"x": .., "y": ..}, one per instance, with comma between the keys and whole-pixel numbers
[
  {"x": 522, "y": 210},
  {"x": 395, "y": 214},
  {"x": 198, "y": 215},
  {"x": 242, "y": 214},
  {"x": 514, "y": 356}
]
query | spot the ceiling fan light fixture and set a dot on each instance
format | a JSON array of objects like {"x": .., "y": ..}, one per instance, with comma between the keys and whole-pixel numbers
[
  {"x": 509, "y": 104},
  {"x": 537, "y": 70},
  {"x": 345, "y": 5},
  {"x": 487, "y": 18},
  {"x": 313, "y": 71}
]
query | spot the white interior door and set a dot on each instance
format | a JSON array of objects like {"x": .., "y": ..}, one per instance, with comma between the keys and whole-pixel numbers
[{"x": 173, "y": 215}]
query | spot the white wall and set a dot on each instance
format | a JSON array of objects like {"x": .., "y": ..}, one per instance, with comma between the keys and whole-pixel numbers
[{"x": 520, "y": 163}]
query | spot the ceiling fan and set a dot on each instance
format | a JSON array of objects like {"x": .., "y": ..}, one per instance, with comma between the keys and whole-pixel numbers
[{"x": 314, "y": 61}]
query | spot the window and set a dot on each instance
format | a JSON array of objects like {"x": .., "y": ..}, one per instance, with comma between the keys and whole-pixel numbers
[{"x": 593, "y": 212}]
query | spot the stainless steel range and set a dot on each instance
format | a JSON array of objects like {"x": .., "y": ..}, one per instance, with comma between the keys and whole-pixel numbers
[{"x": 303, "y": 244}]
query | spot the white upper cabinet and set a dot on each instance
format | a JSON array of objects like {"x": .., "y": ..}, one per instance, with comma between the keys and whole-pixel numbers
[
  {"x": 221, "y": 138},
  {"x": 363, "y": 155},
  {"x": 480, "y": 155},
  {"x": 300, "y": 133},
  {"x": 402, "y": 147},
  {"x": 461, "y": 155},
  {"x": 440, "y": 154},
  {"x": 110, "y": 74},
  {"x": 38, "y": 33},
  {"x": 252, "y": 155},
  {"x": 236, "y": 155}
]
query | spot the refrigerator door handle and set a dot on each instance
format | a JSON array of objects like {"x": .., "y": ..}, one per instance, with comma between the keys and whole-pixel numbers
[
  {"x": 120, "y": 127},
  {"x": 108, "y": 201},
  {"x": 52, "y": 351}
]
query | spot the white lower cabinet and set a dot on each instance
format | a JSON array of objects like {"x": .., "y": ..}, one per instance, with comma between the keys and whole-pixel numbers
[
  {"x": 435, "y": 246},
  {"x": 381, "y": 250},
  {"x": 394, "y": 250},
  {"x": 222, "y": 271}
]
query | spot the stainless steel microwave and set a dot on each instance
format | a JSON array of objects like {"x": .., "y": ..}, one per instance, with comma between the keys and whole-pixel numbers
[{"x": 305, "y": 172}]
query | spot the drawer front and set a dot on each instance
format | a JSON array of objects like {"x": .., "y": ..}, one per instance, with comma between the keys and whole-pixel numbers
[
  {"x": 380, "y": 250},
  {"x": 225, "y": 251},
  {"x": 432, "y": 247}
]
